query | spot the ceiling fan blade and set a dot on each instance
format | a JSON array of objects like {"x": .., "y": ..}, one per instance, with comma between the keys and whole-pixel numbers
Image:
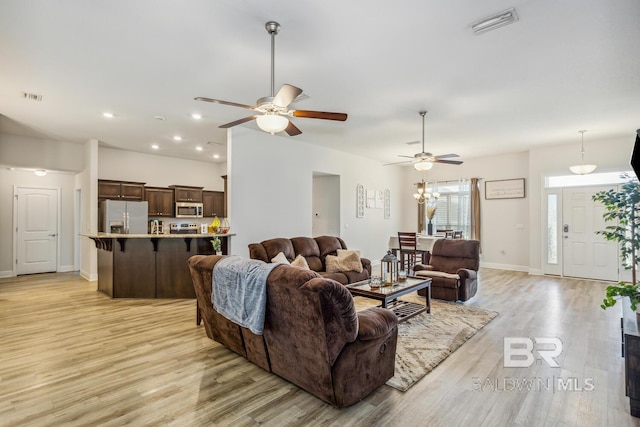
[
  {"x": 397, "y": 163},
  {"x": 238, "y": 122},
  {"x": 412, "y": 142},
  {"x": 292, "y": 129},
  {"x": 300, "y": 97},
  {"x": 217, "y": 101},
  {"x": 408, "y": 157},
  {"x": 286, "y": 95},
  {"x": 450, "y": 162},
  {"x": 446, "y": 156},
  {"x": 320, "y": 115}
]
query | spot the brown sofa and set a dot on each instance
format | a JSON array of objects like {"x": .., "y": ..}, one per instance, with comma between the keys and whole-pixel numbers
[
  {"x": 313, "y": 336},
  {"x": 453, "y": 269},
  {"x": 314, "y": 250}
]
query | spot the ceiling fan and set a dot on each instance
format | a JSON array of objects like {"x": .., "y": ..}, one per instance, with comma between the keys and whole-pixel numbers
[
  {"x": 424, "y": 161},
  {"x": 272, "y": 111}
]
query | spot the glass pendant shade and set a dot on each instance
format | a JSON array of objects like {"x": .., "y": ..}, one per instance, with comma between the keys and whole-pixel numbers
[
  {"x": 423, "y": 165},
  {"x": 582, "y": 169},
  {"x": 272, "y": 123}
]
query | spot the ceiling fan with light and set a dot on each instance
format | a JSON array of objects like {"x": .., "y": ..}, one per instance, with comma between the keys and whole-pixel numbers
[
  {"x": 272, "y": 113},
  {"x": 424, "y": 161}
]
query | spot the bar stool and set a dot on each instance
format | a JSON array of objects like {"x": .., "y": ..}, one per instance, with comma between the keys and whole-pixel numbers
[{"x": 408, "y": 243}]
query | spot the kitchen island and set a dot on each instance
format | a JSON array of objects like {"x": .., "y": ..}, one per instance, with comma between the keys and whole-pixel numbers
[{"x": 150, "y": 265}]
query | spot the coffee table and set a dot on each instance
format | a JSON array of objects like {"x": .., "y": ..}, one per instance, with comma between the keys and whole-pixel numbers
[{"x": 388, "y": 295}]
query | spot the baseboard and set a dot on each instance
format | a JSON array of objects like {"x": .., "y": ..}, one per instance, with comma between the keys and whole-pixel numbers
[
  {"x": 8, "y": 273},
  {"x": 66, "y": 268},
  {"x": 536, "y": 272},
  {"x": 509, "y": 267},
  {"x": 89, "y": 277}
]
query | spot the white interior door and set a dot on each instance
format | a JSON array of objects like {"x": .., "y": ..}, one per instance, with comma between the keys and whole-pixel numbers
[
  {"x": 586, "y": 254},
  {"x": 37, "y": 230}
]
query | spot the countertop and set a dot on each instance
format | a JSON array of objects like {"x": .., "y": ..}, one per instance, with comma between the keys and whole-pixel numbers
[{"x": 153, "y": 236}]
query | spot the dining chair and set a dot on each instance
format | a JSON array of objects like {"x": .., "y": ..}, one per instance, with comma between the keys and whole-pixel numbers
[
  {"x": 457, "y": 234},
  {"x": 408, "y": 244}
]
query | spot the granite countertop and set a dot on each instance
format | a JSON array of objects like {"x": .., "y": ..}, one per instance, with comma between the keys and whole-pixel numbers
[{"x": 153, "y": 236}]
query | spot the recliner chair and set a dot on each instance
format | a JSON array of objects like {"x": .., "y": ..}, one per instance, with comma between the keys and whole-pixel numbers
[{"x": 453, "y": 269}]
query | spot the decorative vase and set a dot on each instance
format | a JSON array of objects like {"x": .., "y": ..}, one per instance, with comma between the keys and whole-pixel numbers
[{"x": 430, "y": 228}]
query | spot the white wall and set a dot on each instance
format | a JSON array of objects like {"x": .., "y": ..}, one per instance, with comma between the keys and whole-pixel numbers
[
  {"x": 610, "y": 156},
  {"x": 158, "y": 171},
  {"x": 17, "y": 178},
  {"x": 87, "y": 183},
  {"x": 504, "y": 223},
  {"x": 270, "y": 191},
  {"x": 29, "y": 152}
]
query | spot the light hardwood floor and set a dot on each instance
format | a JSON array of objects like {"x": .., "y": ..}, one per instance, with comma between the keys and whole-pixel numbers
[{"x": 71, "y": 356}]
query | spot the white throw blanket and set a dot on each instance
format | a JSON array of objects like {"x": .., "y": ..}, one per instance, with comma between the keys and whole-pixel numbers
[{"x": 240, "y": 291}]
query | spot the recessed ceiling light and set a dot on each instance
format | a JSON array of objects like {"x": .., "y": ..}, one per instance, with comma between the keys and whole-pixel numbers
[
  {"x": 199, "y": 148},
  {"x": 155, "y": 146},
  {"x": 196, "y": 116},
  {"x": 107, "y": 115},
  {"x": 177, "y": 138},
  {"x": 161, "y": 118},
  {"x": 40, "y": 172},
  {"x": 216, "y": 156}
]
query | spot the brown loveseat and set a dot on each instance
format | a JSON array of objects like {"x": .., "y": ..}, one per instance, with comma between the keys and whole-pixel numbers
[
  {"x": 453, "y": 269},
  {"x": 313, "y": 336},
  {"x": 314, "y": 250}
]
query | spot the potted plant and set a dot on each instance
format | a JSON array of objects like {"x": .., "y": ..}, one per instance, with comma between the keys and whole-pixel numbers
[
  {"x": 621, "y": 208},
  {"x": 216, "y": 244}
]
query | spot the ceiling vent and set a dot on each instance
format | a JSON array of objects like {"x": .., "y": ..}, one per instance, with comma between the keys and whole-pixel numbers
[
  {"x": 498, "y": 20},
  {"x": 32, "y": 96}
]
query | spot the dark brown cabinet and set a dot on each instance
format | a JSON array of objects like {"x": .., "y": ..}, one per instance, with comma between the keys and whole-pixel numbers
[
  {"x": 213, "y": 203},
  {"x": 160, "y": 201},
  {"x": 187, "y": 194},
  {"x": 631, "y": 354},
  {"x": 120, "y": 190}
]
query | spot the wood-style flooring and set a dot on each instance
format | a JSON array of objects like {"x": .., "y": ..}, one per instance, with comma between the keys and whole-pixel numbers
[{"x": 70, "y": 356}]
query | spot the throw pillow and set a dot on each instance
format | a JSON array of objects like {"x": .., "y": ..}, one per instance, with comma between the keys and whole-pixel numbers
[
  {"x": 345, "y": 252},
  {"x": 350, "y": 262},
  {"x": 301, "y": 262},
  {"x": 280, "y": 259}
]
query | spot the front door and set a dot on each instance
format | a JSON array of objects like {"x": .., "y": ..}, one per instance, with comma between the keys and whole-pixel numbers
[
  {"x": 37, "y": 230},
  {"x": 586, "y": 254}
]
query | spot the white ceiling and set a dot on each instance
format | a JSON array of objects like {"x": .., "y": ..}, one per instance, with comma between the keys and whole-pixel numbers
[{"x": 564, "y": 66}]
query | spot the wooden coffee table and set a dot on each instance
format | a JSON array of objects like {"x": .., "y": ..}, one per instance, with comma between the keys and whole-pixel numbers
[{"x": 388, "y": 295}]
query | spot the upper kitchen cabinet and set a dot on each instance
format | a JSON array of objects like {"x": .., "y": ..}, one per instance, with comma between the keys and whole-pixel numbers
[
  {"x": 187, "y": 194},
  {"x": 213, "y": 203},
  {"x": 160, "y": 201},
  {"x": 120, "y": 190}
]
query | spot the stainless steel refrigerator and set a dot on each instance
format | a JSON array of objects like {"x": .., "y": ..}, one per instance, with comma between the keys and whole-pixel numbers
[{"x": 124, "y": 217}]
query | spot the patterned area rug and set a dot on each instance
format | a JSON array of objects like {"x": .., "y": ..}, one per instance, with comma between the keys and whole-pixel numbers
[{"x": 427, "y": 339}]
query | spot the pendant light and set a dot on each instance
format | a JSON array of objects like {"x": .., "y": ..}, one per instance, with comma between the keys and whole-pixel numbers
[{"x": 582, "y": 169}]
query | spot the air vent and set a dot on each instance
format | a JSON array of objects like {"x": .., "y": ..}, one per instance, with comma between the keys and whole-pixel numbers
[
  {"x": 498, "y": 20},
  {"x": 32, "y": 96}
]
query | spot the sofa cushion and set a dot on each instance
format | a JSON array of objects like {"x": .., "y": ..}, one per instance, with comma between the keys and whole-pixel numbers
[
  {"x": 338, "y": 277},
  {"x": 308, "y": 248},
  {"x": 273, "y": 246},
  {"x": 347, "y": 263}
]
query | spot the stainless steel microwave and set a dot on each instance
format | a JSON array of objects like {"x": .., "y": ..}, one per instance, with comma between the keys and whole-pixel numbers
[{"x": 189, "y": 210}]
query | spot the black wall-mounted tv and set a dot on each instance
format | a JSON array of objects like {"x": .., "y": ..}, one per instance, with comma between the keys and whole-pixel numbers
[{"x": 635, "y": 156}]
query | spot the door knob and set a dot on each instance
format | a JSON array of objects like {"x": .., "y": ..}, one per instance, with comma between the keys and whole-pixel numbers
[{"x": 52, "y": 235}]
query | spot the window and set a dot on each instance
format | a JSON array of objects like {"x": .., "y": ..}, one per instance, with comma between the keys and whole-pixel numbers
[
  {"x": 552, "y": 228},
  {"x": 453, "y": 207}
]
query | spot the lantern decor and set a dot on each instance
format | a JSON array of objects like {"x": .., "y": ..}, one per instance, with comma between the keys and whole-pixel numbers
[{"x": 389, "y": 266}]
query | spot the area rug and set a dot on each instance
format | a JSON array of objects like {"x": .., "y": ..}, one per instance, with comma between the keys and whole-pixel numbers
[{"x": 425, "y": 340}]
